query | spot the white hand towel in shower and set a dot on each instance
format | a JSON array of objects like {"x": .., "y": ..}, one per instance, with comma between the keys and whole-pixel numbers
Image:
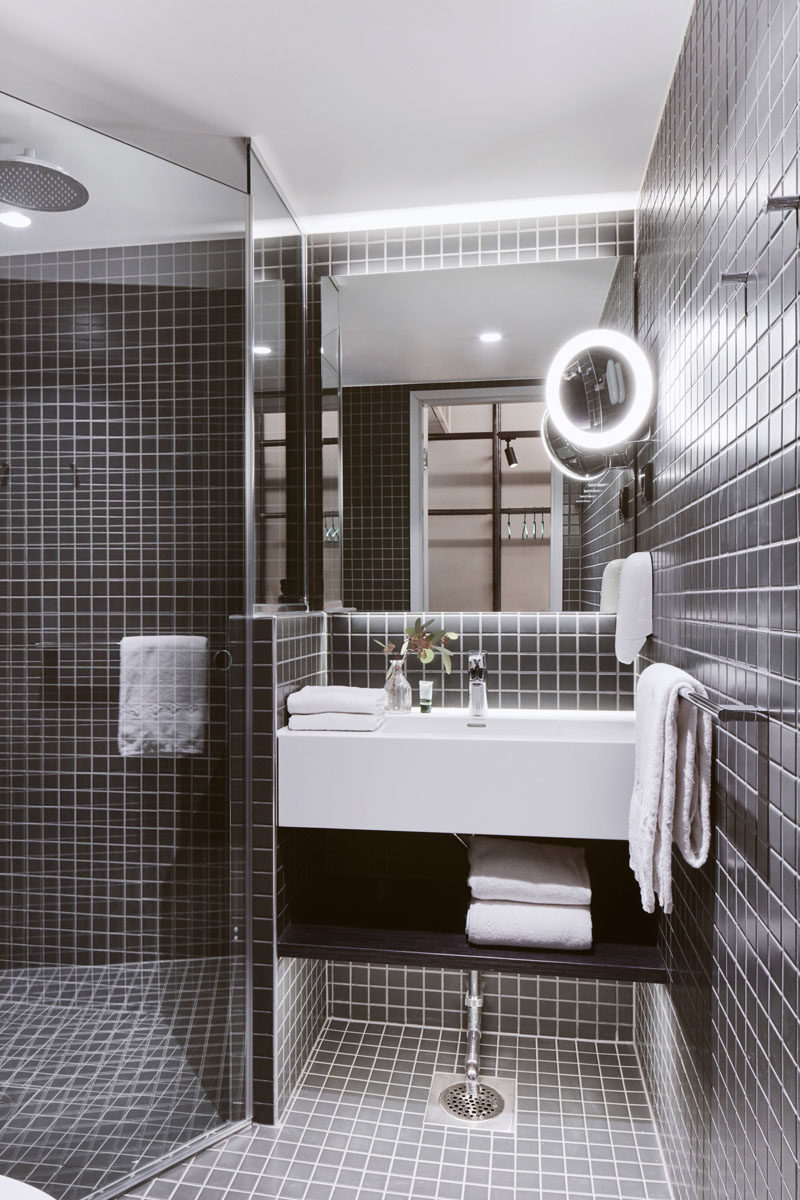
[
  {"x": 339, "y": 699},
  {"x": 539, "y": 926},
  {"x": 672, "y": 782},
  {"x": 163, "y": 696},
  {"x": 528, "y": 872}
]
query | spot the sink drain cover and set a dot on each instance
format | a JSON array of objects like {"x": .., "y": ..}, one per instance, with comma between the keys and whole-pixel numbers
[{"x": 477, "y": 1103}]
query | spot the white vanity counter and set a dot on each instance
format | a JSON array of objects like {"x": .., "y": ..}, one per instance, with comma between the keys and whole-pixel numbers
[{"x": 531, "y": 773}]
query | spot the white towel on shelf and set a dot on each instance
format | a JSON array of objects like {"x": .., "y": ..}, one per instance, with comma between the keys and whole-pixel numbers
[
  {"x": 316, "y": 699},
  {"x": 538, "y": 926},
  {"x": 163, "y": 696},
  {"x": 528, "y": 872},
  {"x": 672, "y": 782},
  {"x": 347, "y": 722}
]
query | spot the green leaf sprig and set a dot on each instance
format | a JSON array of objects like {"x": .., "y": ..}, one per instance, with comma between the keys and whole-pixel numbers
[{"x": 424, "y": 642}]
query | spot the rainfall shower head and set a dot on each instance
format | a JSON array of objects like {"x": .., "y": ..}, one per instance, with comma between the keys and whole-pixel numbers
[{"x": 27, "y": 182}]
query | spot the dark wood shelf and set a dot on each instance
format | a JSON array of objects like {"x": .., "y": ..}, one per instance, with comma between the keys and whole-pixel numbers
[{"x": 344, "y": 943}]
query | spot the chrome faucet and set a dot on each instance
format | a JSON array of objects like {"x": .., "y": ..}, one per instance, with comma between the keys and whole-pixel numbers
[{"x": 478, "y": 706}]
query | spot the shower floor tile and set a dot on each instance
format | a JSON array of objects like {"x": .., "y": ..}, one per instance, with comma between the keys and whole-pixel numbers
[
  {"x": 355, "y": 1127},
  {"x": 91, "y": 1091}
]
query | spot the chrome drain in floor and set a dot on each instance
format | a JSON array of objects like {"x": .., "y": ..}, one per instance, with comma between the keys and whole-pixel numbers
[
  {"x": 491, "y": 1107},
  {"x": 471, "y": 1102}
]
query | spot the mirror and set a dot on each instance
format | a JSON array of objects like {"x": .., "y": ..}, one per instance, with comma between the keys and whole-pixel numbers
[
  {"x": 449, "y": 498},
  {"x": 599, "y": 390},
  {"x": 580, "y": 465}
]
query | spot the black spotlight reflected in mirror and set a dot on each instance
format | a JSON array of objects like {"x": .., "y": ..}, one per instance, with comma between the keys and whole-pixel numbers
[{"x": 511, "y": 455}]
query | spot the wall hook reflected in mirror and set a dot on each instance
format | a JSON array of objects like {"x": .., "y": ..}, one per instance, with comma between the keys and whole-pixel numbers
[{"x": 331, "y": 531}]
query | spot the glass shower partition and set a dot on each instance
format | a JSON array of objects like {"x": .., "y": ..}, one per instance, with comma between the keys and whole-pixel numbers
[{"x": 122, "y": 369}]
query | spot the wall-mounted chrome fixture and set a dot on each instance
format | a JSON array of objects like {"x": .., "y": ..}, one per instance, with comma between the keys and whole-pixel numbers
[
  {"x": 781, "y": 204},
  {"x": 599, "y": 390},
  {"x": 738, "y": 279},
  {"x": 511, "y": 454}
]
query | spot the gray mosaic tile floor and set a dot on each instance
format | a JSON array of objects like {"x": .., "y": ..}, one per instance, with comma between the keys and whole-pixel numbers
[
  {"x": 355, "y": 1127},
  {"x": 98, "y": 1078}
]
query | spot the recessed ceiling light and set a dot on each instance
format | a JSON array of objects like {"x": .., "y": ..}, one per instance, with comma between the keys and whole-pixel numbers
[
  {"x": 262, "y": 350},
  {"x": 491, "y": 337},
  {"x": 16, "y": 220}
]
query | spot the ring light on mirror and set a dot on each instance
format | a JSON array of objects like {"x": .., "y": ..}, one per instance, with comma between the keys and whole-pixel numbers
[
  {"x": 569, "y": 460},
  {"x": 607, "y": 373}
]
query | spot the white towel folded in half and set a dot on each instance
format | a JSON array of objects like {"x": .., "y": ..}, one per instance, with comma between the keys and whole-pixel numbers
[
  {"x": 315, "y": 699},
  {"x": 163, "y": 696},
  {"x": 528, "y": 872},
  {"x": 347, "y": 722},
  {"x": 538, "y": 926},
  {"x": 672, "y": 782}
]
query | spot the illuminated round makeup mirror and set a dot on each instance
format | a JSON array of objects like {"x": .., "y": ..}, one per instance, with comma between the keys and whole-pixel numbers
[
  {"x": 599, "y": 390},
  {"x": 583, "y": 465}
]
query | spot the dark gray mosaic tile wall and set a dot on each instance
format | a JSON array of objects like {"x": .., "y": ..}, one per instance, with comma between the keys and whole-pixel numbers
[
  {"x": 435, "y": 247},
  {"x": 300, "y": 1002},
  {"x": 512, "y": 1004},
  {"x": 288, "y": 996},
  {"x": 122, "y": 377},
  {"x": 122, "y": 381},
  {"x": 534, "y": 660},
  {"x": 723, "y": 532}
]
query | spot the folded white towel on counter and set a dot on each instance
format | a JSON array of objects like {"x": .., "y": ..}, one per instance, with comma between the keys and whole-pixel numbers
[
  {"x": 528, "y": 872},
  {"x": 538, "y": 926},
  {"x": 347, "y": 722},
  {"x": 316, "y": 699},
  {"x": 163, "y": 696},
  {"x": 672, "y": 782}
]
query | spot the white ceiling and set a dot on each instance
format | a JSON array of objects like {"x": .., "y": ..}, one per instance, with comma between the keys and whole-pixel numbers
[
  {"x": 361, "y": 105},
  {"x": 423, "y": 326}
]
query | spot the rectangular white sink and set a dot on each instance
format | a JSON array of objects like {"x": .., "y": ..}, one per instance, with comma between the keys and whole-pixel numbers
[{"x": 536, "y": 773}]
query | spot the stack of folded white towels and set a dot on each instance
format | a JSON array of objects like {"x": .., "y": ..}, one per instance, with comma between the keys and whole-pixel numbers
[
  {"x": 360, "y": 710},
  {"x": 529, "y": 894}
]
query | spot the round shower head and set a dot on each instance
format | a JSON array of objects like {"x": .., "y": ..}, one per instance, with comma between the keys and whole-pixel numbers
[{"x": 27, "y": 182}]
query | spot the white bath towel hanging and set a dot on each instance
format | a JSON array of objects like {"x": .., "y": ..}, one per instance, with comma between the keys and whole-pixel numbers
[
  {"x": 163, "y": 696},
  {"x": 692, "y": 827},
  {"x": 336, "y": 699},
  {"x": 538, "y": 926},
  {"x": 672, "y": 782},
  {"x": 528, "y": 872}
]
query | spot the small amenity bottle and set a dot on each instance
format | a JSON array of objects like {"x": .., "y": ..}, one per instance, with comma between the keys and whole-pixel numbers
[
  {"x": 425, "y": 695},
  {"x": 398, "y": 689}
]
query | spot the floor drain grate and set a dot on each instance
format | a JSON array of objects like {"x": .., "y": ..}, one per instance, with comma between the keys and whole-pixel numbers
[
  {"x": 451, "y": 1102},
  {"x": 477, "y": 1102}
]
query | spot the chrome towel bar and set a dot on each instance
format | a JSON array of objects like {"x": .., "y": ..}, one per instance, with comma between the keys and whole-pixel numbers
[{"x": 725, "y": 712}]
